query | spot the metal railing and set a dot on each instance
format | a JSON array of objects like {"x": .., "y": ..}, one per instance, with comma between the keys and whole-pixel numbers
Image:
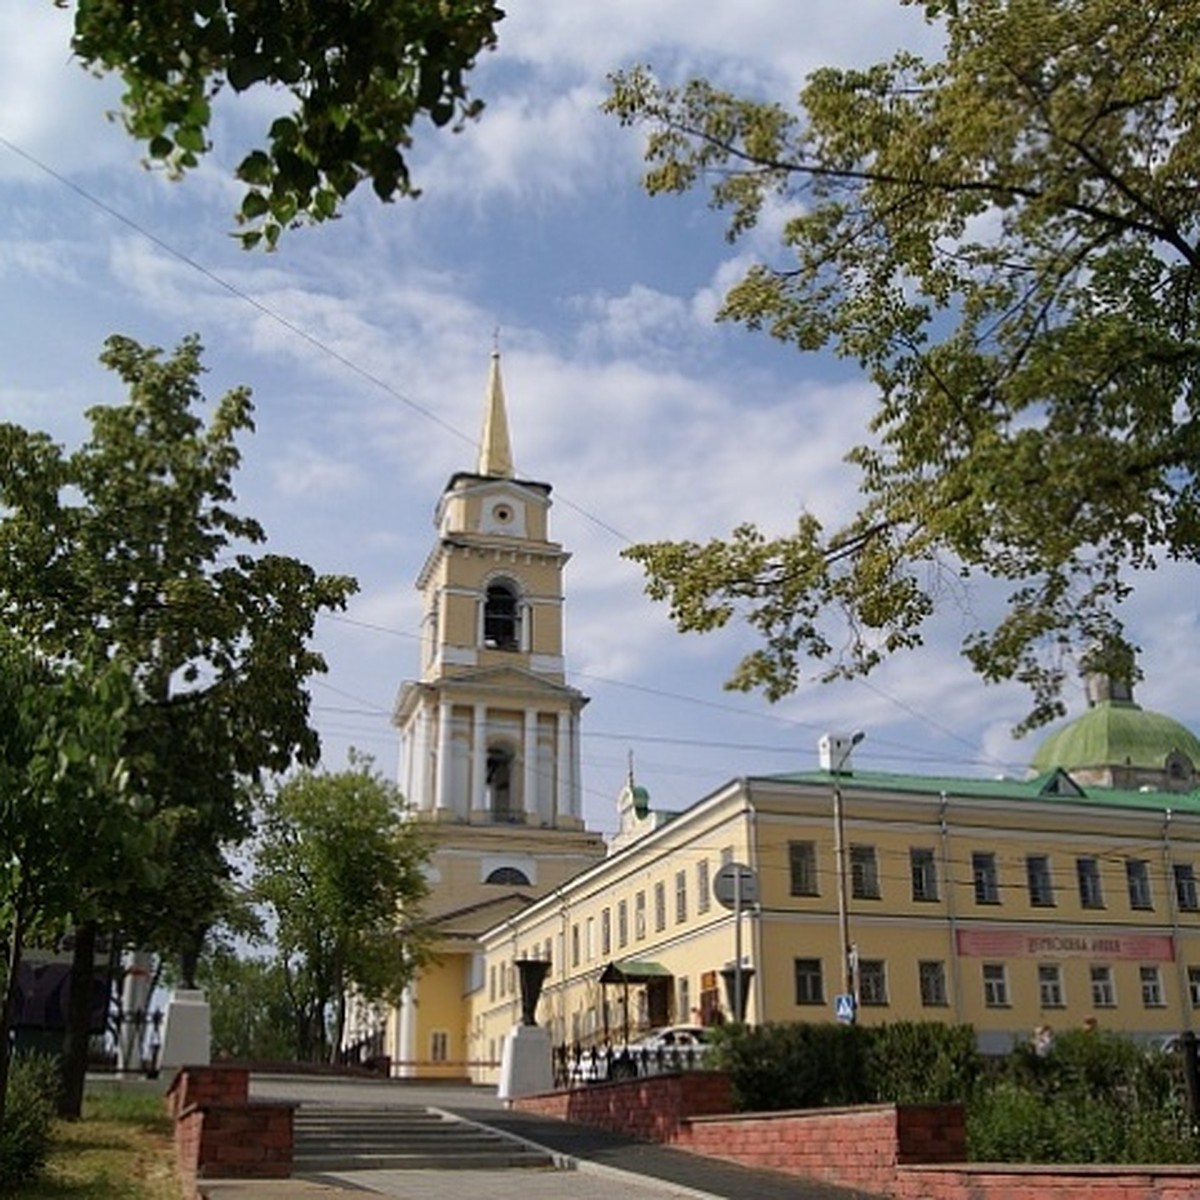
[{"x": 575, "y": 1065}]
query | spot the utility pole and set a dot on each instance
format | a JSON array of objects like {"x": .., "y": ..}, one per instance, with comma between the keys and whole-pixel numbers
[{"x": 848, "y": 972}]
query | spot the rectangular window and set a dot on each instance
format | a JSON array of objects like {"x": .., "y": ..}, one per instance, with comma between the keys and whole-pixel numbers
[
  {"x": 1137, "y": 876},
  {"x": 995, "y": 985},
  {"x": 802, "y": 866},
  {"x": 1194, "y": 986},
  {"x": 809, "y": 987},
  {"x": 680, "y": 897},
  {"x": 660, "y": 907},
  {"x": 574, "y": 945},
  {"x": 987, "y": 882},
  {"x": 1152, "y": 990},
  {"x": 1041, "y": 886},
  {"x": 439, "y": 1046},
  {"x": 639, "y": 916},
  {"x": 1186, "y": 896},
  {"x": 622, "y": 924},
  {"x": 1104, "y": 993},
  {"x": 590, "y": 940},
  {"x": 685, "y": 999},
  {"x": 1050, "y": 987},
  {"x": 924, "y": 873},
  {"x": 492, "y": 982},
  {"x": 703, "y": 887},
  {"x": 864, "y": 873},
  {"x": 872, "y": 981},
  {"x": 933, "y": 984},
  {"x": 1090, "y": 894},
  {"x": 605, "y": 932}
]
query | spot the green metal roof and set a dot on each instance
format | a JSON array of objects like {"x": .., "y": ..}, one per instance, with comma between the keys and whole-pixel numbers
[
  {"x": 1054, "y": 785},
  {"x": 1117, "y": 733}
]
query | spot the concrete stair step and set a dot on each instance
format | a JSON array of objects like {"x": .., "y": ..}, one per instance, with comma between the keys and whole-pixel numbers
[{"x": 380, "y": 1138}]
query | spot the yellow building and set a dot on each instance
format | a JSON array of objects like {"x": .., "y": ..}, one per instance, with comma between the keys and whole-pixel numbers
[
  {"x": 1060, "y": 900},
  {"x": 489, "y": 735},
  {"x": 1001, "y": 903}
]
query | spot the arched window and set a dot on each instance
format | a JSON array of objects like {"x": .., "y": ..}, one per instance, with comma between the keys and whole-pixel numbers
[
  {"x": 502, "y": 618},
  {"x": 509, "y": 875},
  {"x": 501, "y": 800}
]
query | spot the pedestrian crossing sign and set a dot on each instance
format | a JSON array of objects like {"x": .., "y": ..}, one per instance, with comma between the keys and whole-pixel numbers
[{"x": 843, "y": 1007}]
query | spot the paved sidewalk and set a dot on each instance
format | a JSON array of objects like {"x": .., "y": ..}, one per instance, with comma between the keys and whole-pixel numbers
[{"x": 601, "y": 1165}]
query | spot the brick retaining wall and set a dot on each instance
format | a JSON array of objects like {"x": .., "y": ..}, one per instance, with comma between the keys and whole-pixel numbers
[
  {"x": 907, "y": 1152},
  {"x": 221, "y": 1134}
]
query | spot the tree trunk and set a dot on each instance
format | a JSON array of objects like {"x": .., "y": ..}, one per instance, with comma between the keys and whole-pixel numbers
[
  {"x": 79, "y": 1003},
  {"x": 16, "y": 935}
]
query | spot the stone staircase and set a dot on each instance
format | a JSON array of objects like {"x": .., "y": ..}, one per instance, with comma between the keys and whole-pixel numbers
[{"x": 334, "y": 1140}]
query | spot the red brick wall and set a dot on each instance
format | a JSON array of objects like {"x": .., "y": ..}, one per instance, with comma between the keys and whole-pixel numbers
[
  {"x": 652, "y": 1109},
  {"x": 856, "y": 1147},
  {"x": 1019, "y": 1182},
  {"x": 909, "y": 1152},
  {"x": 207, "y": 1085},
  {"x": 221, "y": 1134}
]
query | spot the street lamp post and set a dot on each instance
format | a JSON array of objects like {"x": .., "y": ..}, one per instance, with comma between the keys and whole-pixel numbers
[{"x": 848, "y": 972}]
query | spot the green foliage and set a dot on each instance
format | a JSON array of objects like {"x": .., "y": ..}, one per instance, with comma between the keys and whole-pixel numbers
[
  {"x": 28, "y": 1113},
  {"x": 339, "y": 866},
  {"x": 361, "y": 74},
  {"x": 793, "y": 1065},
  {"x": 799, "y": 1065},
  {"x": 252, "y": 1015},
  {"x": 1007, "y": 240},
  {"x": 1094, "y": 1098},
  {"x": 922, "y": 1062},
  {"x": 128, "y": 551}
]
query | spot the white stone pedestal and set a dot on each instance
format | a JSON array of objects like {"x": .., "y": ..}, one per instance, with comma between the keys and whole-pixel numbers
[
  {"x": 526, "y": 1063},
  {"x": 186, "y": 1031}
]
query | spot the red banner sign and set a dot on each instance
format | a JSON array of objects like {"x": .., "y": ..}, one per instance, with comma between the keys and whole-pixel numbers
[{"x": 1021, "y": 943}]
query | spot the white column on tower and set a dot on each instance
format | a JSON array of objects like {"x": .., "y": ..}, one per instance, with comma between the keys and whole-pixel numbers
[
  {"x": 443, "y": 797},
  {"x": 576, "y": 793},
  {"x": 419, "y": 794},
  {"x": 479, "y": 759},
  {"x": 562, "y": 762},
  {"x": 531, "y": 764}
]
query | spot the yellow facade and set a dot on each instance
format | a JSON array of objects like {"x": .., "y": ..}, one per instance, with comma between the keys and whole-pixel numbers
[{"x": 1007, "y": 905}]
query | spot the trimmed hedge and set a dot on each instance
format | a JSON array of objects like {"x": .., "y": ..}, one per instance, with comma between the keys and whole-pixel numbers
[{"x": 795, "y": 1065}]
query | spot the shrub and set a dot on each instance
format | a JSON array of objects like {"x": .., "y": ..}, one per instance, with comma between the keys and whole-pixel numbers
[
  {"x": 795, "y": 1065},
  {"x": 922, "y": 1062},
  {"x": 25, "y": 1138},
  {"x": 1096, "y": 1097}
]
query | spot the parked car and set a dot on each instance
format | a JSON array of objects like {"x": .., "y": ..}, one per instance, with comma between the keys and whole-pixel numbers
[{"x": 671, "y": 1048}]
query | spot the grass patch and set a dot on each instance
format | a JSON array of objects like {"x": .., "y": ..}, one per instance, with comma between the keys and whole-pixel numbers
[{"x": 121, "y": 1150}]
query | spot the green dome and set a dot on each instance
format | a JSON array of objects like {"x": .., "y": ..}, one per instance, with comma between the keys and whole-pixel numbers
[{"x": 1117, "y": 733}]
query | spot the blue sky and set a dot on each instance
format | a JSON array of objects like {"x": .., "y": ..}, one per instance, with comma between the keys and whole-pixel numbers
[{"x": 366, "y": 343}]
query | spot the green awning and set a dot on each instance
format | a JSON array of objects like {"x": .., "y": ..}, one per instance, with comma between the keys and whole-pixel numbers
[{"x": 633, "y": 971}]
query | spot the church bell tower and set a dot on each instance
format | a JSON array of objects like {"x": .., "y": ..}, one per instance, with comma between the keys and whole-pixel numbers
[{"x": 489, "y": 731}]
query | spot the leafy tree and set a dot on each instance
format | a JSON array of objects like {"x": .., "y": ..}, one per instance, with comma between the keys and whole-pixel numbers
[
  {"x": 339, "y": 867},
  {"x": 128, "y": 548},
  {"x": 1006, "y": 240},
  {"x": 252, "y": 1015},
  {"x": 67, "y": 813},
  {"x": 360, "y": 72}
]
